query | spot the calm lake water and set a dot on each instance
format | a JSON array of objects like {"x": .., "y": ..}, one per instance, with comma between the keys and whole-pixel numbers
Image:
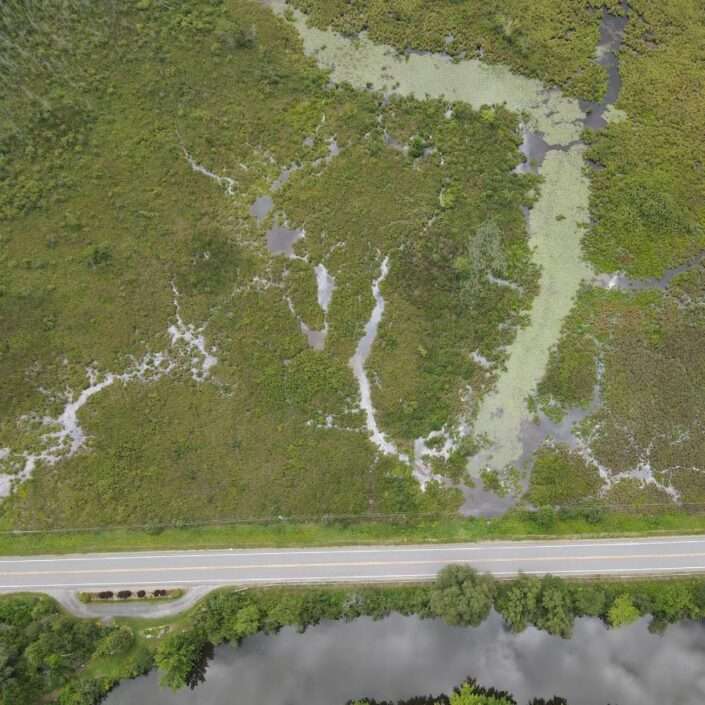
[{"x": 400, "y": 657}]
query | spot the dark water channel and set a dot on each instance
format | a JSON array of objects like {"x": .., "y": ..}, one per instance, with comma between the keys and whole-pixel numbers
[
  {"x": 611, "y": 38},
  {"x": 400, "y": 657}
]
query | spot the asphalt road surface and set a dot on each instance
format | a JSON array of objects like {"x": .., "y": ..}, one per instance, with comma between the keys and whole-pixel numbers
[{"x": 615, "y": 557}]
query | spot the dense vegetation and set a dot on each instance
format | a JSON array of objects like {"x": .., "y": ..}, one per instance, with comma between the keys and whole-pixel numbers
[
  {"x": 110, "y": 235},
  {"x": 648, "y": 196},
  {"x": 459, "y": 596},
  {"x": 112, "y": 231},
  {"x": 649, "y": 345},
  {"x": 42, "y": 650},
  {"x": 642, "y": 448},
  {"x": 644, "y": 348}
]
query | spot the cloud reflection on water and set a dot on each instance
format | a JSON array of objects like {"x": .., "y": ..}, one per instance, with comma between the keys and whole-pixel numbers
[{"x": 401, "y": 657}]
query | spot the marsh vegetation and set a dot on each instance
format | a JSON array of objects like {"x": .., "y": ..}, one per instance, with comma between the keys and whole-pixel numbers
[{"x": 198, "y": 201}]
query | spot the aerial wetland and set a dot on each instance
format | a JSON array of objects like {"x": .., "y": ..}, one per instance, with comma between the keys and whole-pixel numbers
[
  {"x": 321, "y": 271},
  {"x": 397, "y": 296}
]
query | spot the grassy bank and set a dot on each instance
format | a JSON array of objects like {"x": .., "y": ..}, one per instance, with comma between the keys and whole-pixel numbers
[{"x": 516, "y": 525}]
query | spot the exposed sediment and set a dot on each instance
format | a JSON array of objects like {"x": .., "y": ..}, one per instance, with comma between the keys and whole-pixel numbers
[
  {"x": 358, "y": 361},
  {"x": 64, "y": 436}
]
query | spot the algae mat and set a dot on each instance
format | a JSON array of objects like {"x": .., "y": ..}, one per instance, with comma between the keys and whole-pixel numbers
[
  {"x": 554, "y": 228},
  {"x": 364, "y": 64}
]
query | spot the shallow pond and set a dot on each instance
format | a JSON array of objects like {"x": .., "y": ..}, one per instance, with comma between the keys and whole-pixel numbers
[{"x": 400, "y": 657}]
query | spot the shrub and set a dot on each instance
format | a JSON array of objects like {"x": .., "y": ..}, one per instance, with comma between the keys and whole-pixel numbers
[{"x": 118, "y": 641}]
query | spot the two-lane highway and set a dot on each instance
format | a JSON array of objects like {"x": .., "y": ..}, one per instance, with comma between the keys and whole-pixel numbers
[{"x": 615, "y": 557}]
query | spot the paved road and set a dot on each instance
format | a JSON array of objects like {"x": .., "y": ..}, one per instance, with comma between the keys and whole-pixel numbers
[{"x": 619, "y": 557}]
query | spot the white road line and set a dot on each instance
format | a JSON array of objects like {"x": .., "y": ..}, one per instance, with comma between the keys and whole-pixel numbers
[
  {"x": 358, "y": 578},
  {"x": 351, "y": 564},
  {"x": 253, "y": 553}
]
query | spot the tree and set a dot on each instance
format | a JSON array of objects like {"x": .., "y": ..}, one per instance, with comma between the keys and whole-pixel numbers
[
  {"x": 517, "y": 602},
  {"x": 462, "y": 597},
  {"x": 469, "y": 693},
  {"x": 622, "y": 611},
  {"x": 40, "y": 648},
  {"x": 284, "y": 612},
  {"x": 216, "y": 614},
  {"x": 555, "y": 610},
  {"x": 86, "y": 691},
  {"x": 245, "y": 622},
  {"x": 182, "y": 657},
  {"x": 589, "y": 600},
  {"x": 673, "y": 602},
  {"x": 699, "y": 597}
]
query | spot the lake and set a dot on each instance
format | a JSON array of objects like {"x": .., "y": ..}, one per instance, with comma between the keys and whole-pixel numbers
[{"x": 400, "y": 657}]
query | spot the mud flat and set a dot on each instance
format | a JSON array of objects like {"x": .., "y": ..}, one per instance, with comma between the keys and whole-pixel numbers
[
  {"x": 63, "y": 437},
  {"x": 357, "y": 365}
]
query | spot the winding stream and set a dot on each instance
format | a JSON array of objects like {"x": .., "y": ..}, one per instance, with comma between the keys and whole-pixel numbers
[{"x": 357, "y": 364}]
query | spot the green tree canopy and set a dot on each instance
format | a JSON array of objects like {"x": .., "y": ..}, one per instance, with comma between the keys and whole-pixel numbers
[
  {"x": 462, "y": 597},
  {"x": 180, "y": 657},
  {"x": 517, "y": 602},
  {"x": 622, "y": 611}
]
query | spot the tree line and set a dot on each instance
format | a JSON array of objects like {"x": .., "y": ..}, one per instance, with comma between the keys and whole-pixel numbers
[{"x": 460, "y": 596}]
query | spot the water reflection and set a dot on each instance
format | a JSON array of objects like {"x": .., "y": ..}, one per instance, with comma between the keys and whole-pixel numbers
[
  {"x": 262, "y": 207},
  {"x": 611, "y": 38},
  {"x": 400, "y": 657},
  {"x": 281, "y": 240}
]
